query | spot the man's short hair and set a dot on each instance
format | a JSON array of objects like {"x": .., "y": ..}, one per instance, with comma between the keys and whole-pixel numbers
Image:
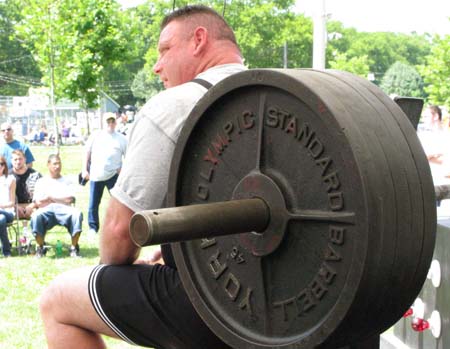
[
  {"x": 5, "y": 125},
  {"x": 200, "y": 15},
  {"x": 18, "y": 152},
  {"x": 53, "y": 156}
]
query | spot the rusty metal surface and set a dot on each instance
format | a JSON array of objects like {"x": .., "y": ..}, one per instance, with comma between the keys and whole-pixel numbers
[{"x": 154, "y": 227}]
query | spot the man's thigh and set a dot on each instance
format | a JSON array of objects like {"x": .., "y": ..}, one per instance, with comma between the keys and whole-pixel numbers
[
  {"x": 72, "y": 304},
  {"x": 148, "y": 306}
]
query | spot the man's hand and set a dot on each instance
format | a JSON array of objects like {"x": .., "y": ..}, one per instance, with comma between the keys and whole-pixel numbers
[
  {"x": 28, "y": 210},
  {"x": 85, "y": 174},
  {"x": 42, "y": 202},
  {"x": 435, "y": 158},
  {"x": 153, "y": 258}
]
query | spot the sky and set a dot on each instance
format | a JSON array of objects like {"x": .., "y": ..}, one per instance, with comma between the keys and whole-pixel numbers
[{"x": 403, "y": 16}]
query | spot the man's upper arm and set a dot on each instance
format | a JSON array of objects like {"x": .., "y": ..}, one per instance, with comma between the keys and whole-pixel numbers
[
  {"x": 38, "y": 190},
  {"x": 29, "y": 156},
  {"x": 142, "y": 183}
]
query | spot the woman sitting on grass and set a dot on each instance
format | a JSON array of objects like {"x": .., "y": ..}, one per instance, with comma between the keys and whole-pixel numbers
[{"x": 7, "y": 202}]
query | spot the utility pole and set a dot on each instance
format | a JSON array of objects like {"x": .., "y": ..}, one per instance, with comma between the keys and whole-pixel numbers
[{"x": 319, "y": 35}]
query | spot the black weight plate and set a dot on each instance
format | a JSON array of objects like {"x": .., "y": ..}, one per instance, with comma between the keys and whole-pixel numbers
[
  {"x": 405, "y": 237},
  {"x": 335, "y": 176},
  {"x": 417, "y": 243},
  {"x": 384, "y": 145}
]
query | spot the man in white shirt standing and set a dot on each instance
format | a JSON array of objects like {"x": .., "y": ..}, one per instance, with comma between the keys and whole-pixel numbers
[
  {"x": 105, "y": 151},
  {"x": 53, "y": 195}
]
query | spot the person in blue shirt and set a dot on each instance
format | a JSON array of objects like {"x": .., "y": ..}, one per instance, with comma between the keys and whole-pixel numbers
[{"x": 12, "y": 144}]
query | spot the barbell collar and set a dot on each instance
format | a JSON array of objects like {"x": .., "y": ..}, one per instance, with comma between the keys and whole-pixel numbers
[{"x": 153, "y": 227}]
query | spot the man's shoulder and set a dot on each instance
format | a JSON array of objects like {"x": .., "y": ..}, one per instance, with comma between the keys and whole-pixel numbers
[
  {"x": 170, "y": 108},
  {"x": 122, "y": 138},
  {"x": 16, "y": 144},
  {"x": 33, "y": 174},
  {"x": 218, "y": 73},
  {"x": 186, "y": 93}
]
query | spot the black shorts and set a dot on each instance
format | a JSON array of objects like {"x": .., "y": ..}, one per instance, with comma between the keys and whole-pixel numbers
[{"x": 146, "y": 305}]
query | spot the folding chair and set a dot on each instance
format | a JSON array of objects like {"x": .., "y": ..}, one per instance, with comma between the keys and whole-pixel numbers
[
  {"x": 23, "y": 244},
  {"x": 13, "y": 233}
]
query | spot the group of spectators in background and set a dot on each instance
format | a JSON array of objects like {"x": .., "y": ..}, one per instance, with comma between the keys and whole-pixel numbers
[
  {"x": 49, "y": 200},
  {"x": 73, "y": 134}
]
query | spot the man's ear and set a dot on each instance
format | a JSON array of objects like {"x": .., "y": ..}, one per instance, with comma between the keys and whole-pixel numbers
[{"x": 201, "y": 38}]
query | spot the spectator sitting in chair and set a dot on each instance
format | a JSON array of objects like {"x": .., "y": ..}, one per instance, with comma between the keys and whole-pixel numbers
[
  {"x": 53, "y": 196},
  {"x": 7, "y": 202},
  {"x": 26, "y": 178}
]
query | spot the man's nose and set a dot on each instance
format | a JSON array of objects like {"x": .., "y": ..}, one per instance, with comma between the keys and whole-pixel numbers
[{"x": 157, "y": 67}]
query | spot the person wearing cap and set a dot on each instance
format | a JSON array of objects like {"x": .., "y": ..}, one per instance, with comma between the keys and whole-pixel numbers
[{"x": 105, "y": 151}]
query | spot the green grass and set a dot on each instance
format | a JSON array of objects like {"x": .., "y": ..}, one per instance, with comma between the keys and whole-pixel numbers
[{"x": 22, "y": 278}]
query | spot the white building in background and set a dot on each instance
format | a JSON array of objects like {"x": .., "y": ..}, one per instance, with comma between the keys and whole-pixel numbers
[{"x": 28, "y": 113}]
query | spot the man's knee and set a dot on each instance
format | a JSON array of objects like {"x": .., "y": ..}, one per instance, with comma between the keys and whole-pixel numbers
[{"x": 51, "y": 298}]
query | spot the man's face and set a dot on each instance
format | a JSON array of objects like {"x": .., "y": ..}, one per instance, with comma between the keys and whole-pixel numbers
[
  {"x": 175, "y": 64},
  {"x": 111, "y": 125},
  {"x": 54, "y": 167},
  {"x": 7, "y": 132},
  {"x": 18, "y": 162}
]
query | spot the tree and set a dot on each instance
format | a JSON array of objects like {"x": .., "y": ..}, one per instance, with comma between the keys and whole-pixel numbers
[
  {"x": 135, "y": 26},
  {"x": 93, "y": 41},
  {"x": 382, "y": 49},
  {"x": 436, "y": 72},
  {"x": 144, "y": 86},
  {"x": 355, "y": 65},
  {"x": 74, "y": 41},
  {"x": 402, "y": 80},
  {"x": 18, "y": 70}
]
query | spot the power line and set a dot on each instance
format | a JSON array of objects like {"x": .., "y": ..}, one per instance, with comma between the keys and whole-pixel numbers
[
  {"x": 16, "y": 59},
  {"x": 19, "y": 80}
]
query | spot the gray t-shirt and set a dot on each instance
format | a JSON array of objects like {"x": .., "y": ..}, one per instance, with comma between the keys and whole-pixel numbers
[{"x": 142, "y": 183}]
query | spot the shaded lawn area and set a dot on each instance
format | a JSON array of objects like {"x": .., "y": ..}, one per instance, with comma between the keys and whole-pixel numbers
[{"x": 22, "y": 278}]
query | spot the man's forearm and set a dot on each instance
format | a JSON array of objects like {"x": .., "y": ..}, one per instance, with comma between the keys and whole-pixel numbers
[
  {"x": 65, "y": 200},
  {"x": 86, "y": 160},
  {"x": 116, "y": 246}
]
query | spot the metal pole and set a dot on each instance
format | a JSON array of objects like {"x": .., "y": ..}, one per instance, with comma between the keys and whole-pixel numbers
[
  {"x": 183, "y": 223},
  {"x": 319, "y": 35},
  {"x": 285, "y": 55}
]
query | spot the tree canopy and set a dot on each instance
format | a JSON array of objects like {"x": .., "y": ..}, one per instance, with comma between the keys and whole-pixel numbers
[
  {"x": 436, "y": 72},
  {"x": 403, "y": 80},
  {"x": 18, "y": 69},
  {"x": 93, "y": 45}
]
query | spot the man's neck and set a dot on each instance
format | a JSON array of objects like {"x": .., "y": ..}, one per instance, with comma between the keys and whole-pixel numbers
[
  {"x": 223, "y": 53},
  {"x": 20, "y": 171}
]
